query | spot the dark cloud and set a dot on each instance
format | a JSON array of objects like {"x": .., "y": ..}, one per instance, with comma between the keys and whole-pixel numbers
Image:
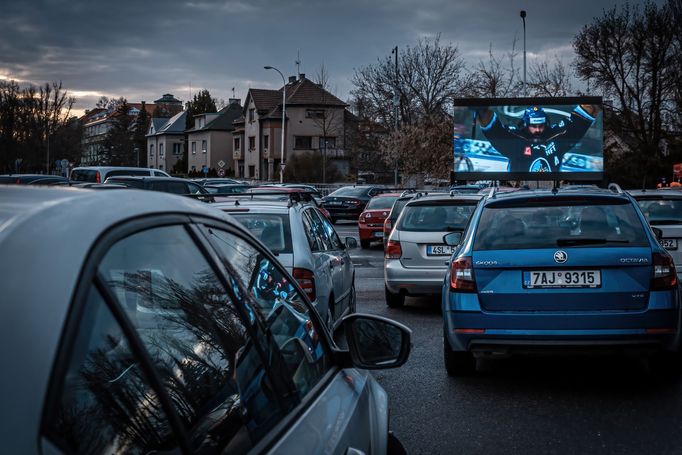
[{"x": 142, "y": 49}]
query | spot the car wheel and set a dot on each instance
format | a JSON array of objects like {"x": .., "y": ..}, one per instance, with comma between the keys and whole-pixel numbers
[
  {"x": 364, "y": 244},
  {"x": 458, "y": 363},
  {"x": 394, "y": 300}
]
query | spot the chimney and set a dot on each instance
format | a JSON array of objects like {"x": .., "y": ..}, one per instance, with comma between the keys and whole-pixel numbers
[
  {"x": 301, "y": 76},
  {"x": 292, "y": 79},
  {"x": 235, "y": 101}
]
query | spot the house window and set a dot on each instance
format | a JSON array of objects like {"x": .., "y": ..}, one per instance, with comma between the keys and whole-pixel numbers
[
  {"x": 203, "y": 146},
  {"x": 331, "y": 142},
  {"x": 303, "y": 142},
  {"x": 237, "y": 144},
  {"x": 177, "y": 149},
  {"x": 252, "y": 143},
  {"x": 194, "y": 148},
  {"x": 266, "y": 141},
  {"x": 161, "y": 150},
  {"x": 252, "y": 171},
  {"x": 314, "y": 113},
  {"x": 151, "y": 150},
  {"x": 252, "y": 115}
]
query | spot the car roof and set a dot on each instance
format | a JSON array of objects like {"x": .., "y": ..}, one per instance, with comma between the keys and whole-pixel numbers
[
  {"x": 445, "y": 197},
  {"x": 122, "y": 168},
  {"x": 147, "y": 177},
  {"x": 586, "y": 192},
  {"x": 263, "y": 205},
  {"x": 46, "y": 234},
  {"x": 668, "y": 193}
]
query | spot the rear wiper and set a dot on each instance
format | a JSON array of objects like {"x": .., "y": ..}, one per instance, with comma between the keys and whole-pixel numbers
[{"x": 587, "y": 241}]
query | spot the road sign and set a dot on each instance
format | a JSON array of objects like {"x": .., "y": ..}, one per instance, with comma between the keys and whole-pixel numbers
[
  {"x": 282, "y": 166},
  {"x": 221, "y": 172},
  {"x": 221, "y": 164}
]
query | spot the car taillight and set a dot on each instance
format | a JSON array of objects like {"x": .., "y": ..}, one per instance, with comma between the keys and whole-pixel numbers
[
  {"x": 98, "y": 177},
  {"x": 393, "y": 250},
  {"x": 354, "y": 202},
  {"x": 665, "y": 276},
  {"x": 306, "y": 279},
  {"x": 462, "y": 275}
]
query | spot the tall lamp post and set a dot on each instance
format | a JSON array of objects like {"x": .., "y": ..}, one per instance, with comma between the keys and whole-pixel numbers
[
  {"x": 525, "y": 85},
  {"x": 284, "y": 111}
]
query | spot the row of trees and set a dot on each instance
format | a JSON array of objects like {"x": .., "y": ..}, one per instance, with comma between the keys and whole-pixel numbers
[
  {"x": 36, "y": 127},
  {"x": 630, "y": 56}
]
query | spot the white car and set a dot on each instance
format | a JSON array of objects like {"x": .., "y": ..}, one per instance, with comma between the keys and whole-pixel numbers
[{"x": 98, "y": 174}]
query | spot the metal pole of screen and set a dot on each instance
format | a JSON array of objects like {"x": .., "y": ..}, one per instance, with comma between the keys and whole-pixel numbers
[
  {"x": 284, "y": 114},
  {"x": 525, "y": 84}
]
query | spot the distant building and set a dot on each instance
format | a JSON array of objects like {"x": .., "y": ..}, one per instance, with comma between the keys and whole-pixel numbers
[
  {"x": 209, "y": 142},
  {"x": 315, "y": 122},
  {"x": 165, "y": 141},
  {"x": 167, "y": 106}
]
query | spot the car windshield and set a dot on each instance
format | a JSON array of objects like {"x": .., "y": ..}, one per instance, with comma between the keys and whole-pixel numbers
[
  {"x": 662, "y": 211},
  {"x": 351, "y": 191},
  {"x": 383, "y": 202},
  {"x": 271, "y": 229},
  {"x": 554, "y": 226},
  {"x": 435, "y": 217}
]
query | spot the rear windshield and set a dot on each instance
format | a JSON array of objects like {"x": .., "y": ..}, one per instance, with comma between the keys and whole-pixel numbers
[
  {"x": 438, "y": 218},
  {"x": 662, "y": 211},
  {"x": 378, "y": 203},
  {"x": 84, "y": 175},
  {"x": 271, "y": 229},
  {"x": 350, "y": 191},
  {"x": 555, "y": 226}
]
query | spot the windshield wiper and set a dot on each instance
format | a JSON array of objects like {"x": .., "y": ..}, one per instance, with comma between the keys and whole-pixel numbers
[{"x": 587, "y": 241}]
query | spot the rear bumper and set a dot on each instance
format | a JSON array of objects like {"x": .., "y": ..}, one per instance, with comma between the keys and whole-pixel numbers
[
  {"x": 656, "y": 328},
  {"x": 413, "y": 281},
  {"x": 344, "y": 214},
  {"x": 369, "y": 233}
]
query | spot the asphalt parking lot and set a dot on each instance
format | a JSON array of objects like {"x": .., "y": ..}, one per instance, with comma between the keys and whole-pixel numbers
[{"x": 518, "y": 405}]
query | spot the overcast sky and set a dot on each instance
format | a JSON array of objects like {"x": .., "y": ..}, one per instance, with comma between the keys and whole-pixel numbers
[{"x": 143, "y": 49}]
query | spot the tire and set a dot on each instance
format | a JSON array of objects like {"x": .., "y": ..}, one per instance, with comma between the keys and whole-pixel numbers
[
  {"x": 364, "y": 244},
  {"x": 458, "y": 363},
  {"x": 394, "y": 300}
]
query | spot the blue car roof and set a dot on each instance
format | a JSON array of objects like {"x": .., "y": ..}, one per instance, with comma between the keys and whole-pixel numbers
[{"x": 540, "y": 196}]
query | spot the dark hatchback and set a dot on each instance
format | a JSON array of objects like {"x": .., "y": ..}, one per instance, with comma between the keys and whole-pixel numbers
[{"x": 347, "y": 203}]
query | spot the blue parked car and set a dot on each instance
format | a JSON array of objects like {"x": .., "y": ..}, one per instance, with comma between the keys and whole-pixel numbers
[{"x": 558, "y": 271}]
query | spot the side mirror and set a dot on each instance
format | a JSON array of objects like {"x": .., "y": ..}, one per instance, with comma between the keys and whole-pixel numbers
[
  {"x": 658, "y": 232},
  {"x": 452, "y": 239},
  {"x": 375, "y": 342},
  {"x": 351, "y": 242}
]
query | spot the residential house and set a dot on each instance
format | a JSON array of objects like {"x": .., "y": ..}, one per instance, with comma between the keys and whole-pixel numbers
[
  {"x": 315, "y": 123},
  {"x": 165, "y": 141},
  {"x": 96, "y": 125},
  {"x": 210, "y": 140}
]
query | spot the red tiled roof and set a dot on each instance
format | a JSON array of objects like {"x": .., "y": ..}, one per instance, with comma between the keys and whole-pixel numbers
[
  {"x": 265, "y": 100},
  {"x": 305, "y": 91}
]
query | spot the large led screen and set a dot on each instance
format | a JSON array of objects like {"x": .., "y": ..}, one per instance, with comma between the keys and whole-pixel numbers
[{"x": 529, "y": 138}]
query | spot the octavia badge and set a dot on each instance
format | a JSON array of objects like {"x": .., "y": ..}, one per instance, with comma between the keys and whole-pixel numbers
[{"x": 560, "y": 257}]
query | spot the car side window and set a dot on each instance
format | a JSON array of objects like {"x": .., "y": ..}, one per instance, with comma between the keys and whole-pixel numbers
[
  {"x": 195, "y": 336},
  {"x": 319, "y": 230},
  {"x": 159, "y": 174},
  {"x": 106, "y": 404},
  {"x": 314, "y": 240},
  {"x": 193, "y": 189},
  {"x": 334, "y": 239},
  {"x": 280, "y": 308}
]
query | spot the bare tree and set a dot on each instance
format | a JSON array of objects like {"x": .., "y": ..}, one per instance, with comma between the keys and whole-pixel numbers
[
  {"x": 550, "y": 81},
  {"x": 495, "y": 79},
  {"x": 329, "y": 119},
  {"x": 629, "y": 55}
]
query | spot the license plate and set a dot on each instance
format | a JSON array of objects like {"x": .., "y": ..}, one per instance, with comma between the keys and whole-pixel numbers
[
  {"x": 379, "y": 234},
  {"x": 438, "y": 250},
  {"x": 334, "y": 203},
  {"x": 668, "y": 244},
  {"x": 562, "y": 279}
]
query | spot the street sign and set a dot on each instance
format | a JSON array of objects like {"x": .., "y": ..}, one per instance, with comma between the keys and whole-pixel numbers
[
  {"x": 221, "y": 172},
  {"x": 221, "y": 164},
  {"x": 282, "y": 166}
]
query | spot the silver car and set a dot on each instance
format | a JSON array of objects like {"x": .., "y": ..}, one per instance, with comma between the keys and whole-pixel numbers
[
  {"x": 416, "y": 256},
  {"x": 307, "y": 245},
  {"x": 161, "y": 325},
  {"x": 663, "y": 210}
]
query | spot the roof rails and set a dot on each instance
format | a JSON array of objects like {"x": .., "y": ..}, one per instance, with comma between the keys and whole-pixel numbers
[
  {"x": 408, "y": 191},
  {"x": 615, "y": 188}
]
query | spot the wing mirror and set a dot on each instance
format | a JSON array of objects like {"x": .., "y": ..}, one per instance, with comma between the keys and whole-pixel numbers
[
  {"x": 375, "y": 342},
  {"x": 453, "y": 238},
  {"x": 351, "y": 242}
]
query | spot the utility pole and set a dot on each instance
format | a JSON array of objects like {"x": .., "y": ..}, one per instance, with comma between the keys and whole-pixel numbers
[
  {"x": 525, "y": 84},
  {"x": 396, "y": 104}
]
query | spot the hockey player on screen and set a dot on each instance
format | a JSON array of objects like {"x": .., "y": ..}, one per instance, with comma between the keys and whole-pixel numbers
[{"x": 535, "y": 145}]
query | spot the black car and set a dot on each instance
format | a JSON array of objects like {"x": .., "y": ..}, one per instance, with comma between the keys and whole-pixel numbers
[
  {"x": 164, "y": 184},
  {"x": 227, "y": 188},
  {"x": 31, "y": 179},
  {"x": 347, "y": 203}
]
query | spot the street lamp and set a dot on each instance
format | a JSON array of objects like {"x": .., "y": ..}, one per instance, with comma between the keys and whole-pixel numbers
[
  {"x": 284, "y": 111},
  {"x": 525, "y": 85}
]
